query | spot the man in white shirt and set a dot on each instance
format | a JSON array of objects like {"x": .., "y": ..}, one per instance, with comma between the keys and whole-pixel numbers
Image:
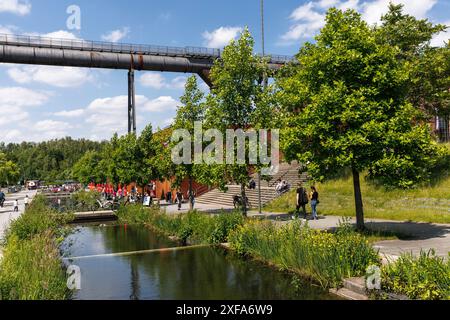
[{"x": 26, "y": 201}]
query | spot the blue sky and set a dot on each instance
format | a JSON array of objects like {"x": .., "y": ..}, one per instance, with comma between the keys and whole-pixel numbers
[{"x": 40, "y": 103}]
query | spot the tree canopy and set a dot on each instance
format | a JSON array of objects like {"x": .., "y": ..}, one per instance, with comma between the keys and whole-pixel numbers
[{"x": 345, "y": 108}]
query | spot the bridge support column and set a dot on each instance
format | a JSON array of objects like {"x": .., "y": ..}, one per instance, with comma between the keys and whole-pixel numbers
[{"x": 131, "y": 103}]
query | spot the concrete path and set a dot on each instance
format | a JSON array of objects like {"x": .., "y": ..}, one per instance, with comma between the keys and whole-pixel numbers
[
  {"x": 173, "y": 208},
  {"x": 414, "y": 236},
  {"x": 7, "y": 214}
]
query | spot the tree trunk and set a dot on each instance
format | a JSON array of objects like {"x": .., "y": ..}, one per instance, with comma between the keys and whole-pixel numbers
[
  {"x": 244, "y": 196},
  {"x": 190, "y": 194},
  {"x": 358, "y": 200}
]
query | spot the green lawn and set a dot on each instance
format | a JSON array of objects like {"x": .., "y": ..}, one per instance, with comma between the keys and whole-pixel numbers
[{"x": 428, "y": 204}]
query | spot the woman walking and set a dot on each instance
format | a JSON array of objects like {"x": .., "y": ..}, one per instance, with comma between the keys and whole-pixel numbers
[{"x": 314, "y": 202}]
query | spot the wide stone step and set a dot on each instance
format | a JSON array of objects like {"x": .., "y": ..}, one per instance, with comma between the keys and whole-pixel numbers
[
  {"x": 357, "y": 285},
  {"x": 348, "y": 294}
]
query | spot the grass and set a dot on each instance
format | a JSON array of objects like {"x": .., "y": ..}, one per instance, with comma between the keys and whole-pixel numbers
[
  {"x": 31, "y": 267},
  {"x": 326, "y": 258},
  {"x": 192, "y": 227},
  {"x": 427, "y": 204},
  {"x": 426, "y": 277},
  {"x": 32, "y": 270}
]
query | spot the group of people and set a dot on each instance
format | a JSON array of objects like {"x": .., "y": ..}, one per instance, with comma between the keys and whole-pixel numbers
[
  {"x": 26, "y": 201},
  {"x": 303, "y": 198},
  {"x": 282, "y": 186}
]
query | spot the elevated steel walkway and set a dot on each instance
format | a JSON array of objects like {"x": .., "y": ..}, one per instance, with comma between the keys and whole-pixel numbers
[{"x": 19, "y": 49}]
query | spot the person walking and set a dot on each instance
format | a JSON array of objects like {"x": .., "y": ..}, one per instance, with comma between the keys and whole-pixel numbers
[
  {"x": 179, "y": 199},
  {"x": 314, "y": 202},
  {"x": 26, "y": 201},
  {"x": 302, "y": 201},
  {"x": 192, "y": 196},
  {"x": 2, "y": 198},
  {"x": 16, "y": 205}
]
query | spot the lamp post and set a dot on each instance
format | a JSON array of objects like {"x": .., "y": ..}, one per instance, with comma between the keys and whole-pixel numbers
[{"x": 265, "y": 85}]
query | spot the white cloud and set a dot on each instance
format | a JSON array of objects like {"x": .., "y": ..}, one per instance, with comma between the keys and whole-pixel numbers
[
  {"x": 19, "y": 7},
  {"x": 11, "y": 115},
  {"x": 51, "y": 125},
  {"x": 70, "y": 113},
  {"x": 8, "y": 29},
  {"x": 179, "y": 82},
  {"x": 220, "y": 37},
  {"x": 116, "y": 35},
  {"x": 60, "y": 34},
  {"x": 108, "y": 115},
  {"x": 15, "y": 100},
  {"x": 153, "y": 80},
  {"x": 373, "y": 10},
  {"x": 327, "y": 3},
  {"x": 306, "y": 12},
  {"x": 161, "y": 104},
  {"x": 442, "y": 38},
  {"x": 309, "y": 18},
  {"x": 158, "y": 81},
  {"x": 22, "y": 97},
  {"x": 61, "y": 77}
]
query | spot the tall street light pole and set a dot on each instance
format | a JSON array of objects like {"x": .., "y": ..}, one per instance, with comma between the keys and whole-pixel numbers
[{"x": 265, "y": 85}]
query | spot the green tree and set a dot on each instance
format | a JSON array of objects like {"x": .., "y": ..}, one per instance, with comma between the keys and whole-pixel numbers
[
  {"x": 87, "y": 169},
  {"x": 236, "y": 91},
  {"x": 345, "y": 109},
  {"x": 9, "y": 171},
  {"x": 429, "y": 67},
  {"x": 145, "y": 154},
  {"x": 192, "y": 110}
]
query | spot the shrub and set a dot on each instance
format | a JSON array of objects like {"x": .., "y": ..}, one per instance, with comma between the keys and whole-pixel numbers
[
  {"x": 193, "y": 226},
  {"x": 426, "y": 277},
  {"x": 324, "y": 257},
  {"x": 86, "y": 199},
  {"x": 37, "y": 219},
  {"x": 31, "y": 269}
]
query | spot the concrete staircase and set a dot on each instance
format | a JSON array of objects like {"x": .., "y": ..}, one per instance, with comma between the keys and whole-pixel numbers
[
  {"x": 219, "y": 198},
  {"x": 288, "y": 172}
]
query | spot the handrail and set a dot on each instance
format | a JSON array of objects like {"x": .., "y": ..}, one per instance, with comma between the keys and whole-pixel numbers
[{"x": 88, "y": 45}]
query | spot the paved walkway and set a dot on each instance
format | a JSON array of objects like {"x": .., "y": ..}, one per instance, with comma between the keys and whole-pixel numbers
[
  {"x": 414, "y": 236},
  {"x": 7, "y": 214},
  {"x": 173, "y": 208}
]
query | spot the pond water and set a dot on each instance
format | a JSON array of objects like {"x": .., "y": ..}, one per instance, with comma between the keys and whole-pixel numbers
[{"x": 191, "y": 274}]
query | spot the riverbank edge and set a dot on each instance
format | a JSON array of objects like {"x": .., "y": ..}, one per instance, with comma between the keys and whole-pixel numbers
[
  {"x": 343, "y": 292},
  {"x": 227, "y": 246}
]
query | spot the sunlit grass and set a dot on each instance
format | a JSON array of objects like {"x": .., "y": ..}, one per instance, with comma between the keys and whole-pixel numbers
[{"x": 426, "y": 204}]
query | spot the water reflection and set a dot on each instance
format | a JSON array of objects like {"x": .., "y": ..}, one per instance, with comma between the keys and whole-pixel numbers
[{"x": 201, "y": 273}]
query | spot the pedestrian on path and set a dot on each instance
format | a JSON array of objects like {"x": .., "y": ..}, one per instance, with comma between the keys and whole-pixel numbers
[
  {"x": 192, "y": 196},
  {"x": 2, "y": 198},
  {"x": 302, "y": 201},
  {"x": 16, "y": 205},
  {"x": 26, "y": 201},
  {"x": 314, "y": 202},
  {"x": 179, "y": 199}
]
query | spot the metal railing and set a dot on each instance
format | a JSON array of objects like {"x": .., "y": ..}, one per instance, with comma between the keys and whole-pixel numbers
[{"x": 102, "y": 46}]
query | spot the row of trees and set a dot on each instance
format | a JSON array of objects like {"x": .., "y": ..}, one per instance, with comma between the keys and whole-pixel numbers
[
  {"x": 49, "y": 161},
  {"x": 356, "y": 100}
]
